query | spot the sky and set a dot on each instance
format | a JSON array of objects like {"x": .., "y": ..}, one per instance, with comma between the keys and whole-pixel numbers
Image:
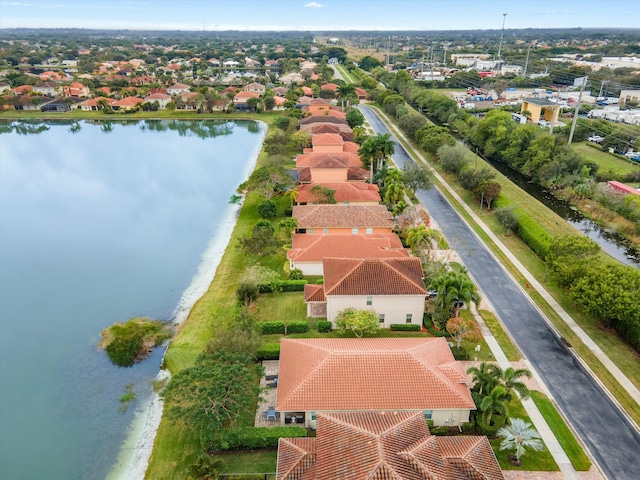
[{"x": 318, "y": 15}]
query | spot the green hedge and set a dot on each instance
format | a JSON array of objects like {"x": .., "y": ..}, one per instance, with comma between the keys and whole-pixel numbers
[
  {"x": 283, "y": 286},
  {"x": 268, "y": 351},
  {"x": 324, "y": 326},
  {"x": 490, "y": 430},
  {"x": 270, "y": 328},
  {"x": 468, "y": 426},
  {"x": 297, "y": 327},
  {"x": 532, "y": 234},
  {"x": 439, "y": 430},
  {"x": 248, "y": 438},
  {"x": 459, "y": 353},
  {"x": 405, "y": 327}
]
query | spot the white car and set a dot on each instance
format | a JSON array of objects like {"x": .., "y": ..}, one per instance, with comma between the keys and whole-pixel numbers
[{"x": 595, "y": 138}]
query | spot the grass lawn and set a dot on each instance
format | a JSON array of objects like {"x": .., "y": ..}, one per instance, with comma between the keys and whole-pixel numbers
[
  {"x": 263, "y": 461},
  {"x": 606, "y": 161},
  {"x": 469, "y": 345},
  {"x": 285, "y": 307},
  {"x": 569, "y": 444},
  {"x": 507, "y": 346}
]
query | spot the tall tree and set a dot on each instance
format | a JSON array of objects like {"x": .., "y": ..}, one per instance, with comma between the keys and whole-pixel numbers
[
  {"x": 494, "y": 403},
  {"x": 360, "y": 322}
]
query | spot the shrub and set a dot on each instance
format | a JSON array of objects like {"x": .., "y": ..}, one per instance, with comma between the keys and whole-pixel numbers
[
  {"x": 269, "y": 351},
  {"x": 283, "y": 286},
  {"x": 468, "y": 426},
  {"x": 323, "y": 326},
  {"x": 459, "y": 353},
  {"x": 247, "y": 292},
  {"x": 296, "y": 274},
  {"x": 532, "y": 234},
  {"x": 248, "y": 438},
  {"x": 270, "y": 328},
  {"x": 439, "y": 430},
  {"x": 430, "y": 424},
  {"x": 507, "y": 217},
  {"x": 497, "y": 421},
  {"x": 123, "y": 350},
  {"x": 405, "y": 327},
  {"x": 268, "y": 209},
  {"x": 297, "y": 327}
]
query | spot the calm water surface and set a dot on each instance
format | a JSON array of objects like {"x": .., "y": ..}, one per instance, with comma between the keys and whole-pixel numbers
[{"x": 99, "y": 222}]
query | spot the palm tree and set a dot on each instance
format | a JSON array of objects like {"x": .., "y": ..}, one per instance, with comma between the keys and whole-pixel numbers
[
  {"x": 453, "y": 288},
  {"x": 293, "y": 194},
  {"x": 494, "y": 403},
  {"x": 205, "y": 467},
  {"x": 486, "y": 377},
  {"x": 289, "y": 224},
  {"x": 519, "y": 435},
  {"x": 394, "y": 193},
  {"x": 418, "y": 237},
  {"x": 346, "y": 91},
  {"x": 512, "y": 381},
  {"x": 367, "y": 152},
  {"x": 385, "y": 147}
]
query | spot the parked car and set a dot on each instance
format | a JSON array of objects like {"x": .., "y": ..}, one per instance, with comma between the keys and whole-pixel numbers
[{"x": 595, "y": 138}]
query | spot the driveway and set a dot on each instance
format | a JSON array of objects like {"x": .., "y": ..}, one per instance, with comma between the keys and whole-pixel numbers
[{"x": 612, "y": 440}]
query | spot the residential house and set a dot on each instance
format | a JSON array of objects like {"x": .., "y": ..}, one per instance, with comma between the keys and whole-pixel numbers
[
  {"x": 347, "y": 193},
  {"x": 230, "y": 64},
  {"x": 330, "y": 86},
  {"x": 255, "y": 88},
  {"x": 279, "y": 103},
  {"x": 4, "y": 87},
  {"x": 332, "y": 143},
  {"x": 60, "y": 105},
  {"x": 92, "y": 104},
  {"x": 308, "y": 91},
  {"x": 162, "y": 98},
  {"x": 280, "y": 91},
  {"x": 393, "y": 287},
  {"x": 251, "y": 63},
  {"x": 342, "y": 219},
  {"x": 323, "y": 119},
  {"x": 104, "y": 90},
  {"x": 126, "y": 103},
  {"x": 308, "y": 65},
  {"x": 240, "y": 99},
  {"x": 177, "y": 89},
  {"x": 214, "y": 62},
  {"x": 291, "y": 77},
  {"x": 272, "y": 65},
  {"x": 50, "y": 75},
  {"x": 187, "y": 101},
  {"x": 356, "y": 375},
  {"x": 316, "y": 128},
  {"x": 540, "y": 109},
  {"x": 362, "y": 94},
  {"x": 330, "y": 168},
  {"x": 308, "y": 251},
  {"x": 76, "y": 89},
  {"x": 48, "y": 89},
  {"x": 386, "y": 444}
]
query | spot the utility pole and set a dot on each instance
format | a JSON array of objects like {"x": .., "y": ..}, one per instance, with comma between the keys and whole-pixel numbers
[
  {"x": 526, "y": 62},
  {"x": 504, "y": 18},
  {"x": 601, "y": 88},
  {"x": 575, "y": 114}
]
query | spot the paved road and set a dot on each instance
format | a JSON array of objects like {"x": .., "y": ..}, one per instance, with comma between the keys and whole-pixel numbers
[{"x": 607, "y": 433}]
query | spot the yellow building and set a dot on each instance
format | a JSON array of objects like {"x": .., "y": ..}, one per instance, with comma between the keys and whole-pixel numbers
[{"x": 540, "y": 109}]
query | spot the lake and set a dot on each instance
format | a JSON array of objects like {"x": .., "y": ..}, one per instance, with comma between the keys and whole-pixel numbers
[{"x": 99, "y": 222}]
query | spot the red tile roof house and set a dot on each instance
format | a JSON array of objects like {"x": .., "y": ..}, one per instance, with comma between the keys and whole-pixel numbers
[
  {"x": 308, "y": 251},
  {"x": 127, "y": 103},
  {"x": 177, "y": 89},
  {"x": 47, "y": 89},
  {"x": 342, "y": 219},
  {"x": 330, "y": 168},
  {"x": 240, "y": 100},
  {"x": 333, "y": 375},
  {"x": 92, "y": 105},
  {"x": 392, "y": 287},
  {"x": 384, "y": 445},
  {"x": 347, "y": 193}
]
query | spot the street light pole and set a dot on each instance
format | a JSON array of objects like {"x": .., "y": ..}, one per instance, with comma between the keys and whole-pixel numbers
[{"x": 504, "y": 18}]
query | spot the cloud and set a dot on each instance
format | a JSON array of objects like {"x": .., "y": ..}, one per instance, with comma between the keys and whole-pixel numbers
[{"x": 314, "y": 5}]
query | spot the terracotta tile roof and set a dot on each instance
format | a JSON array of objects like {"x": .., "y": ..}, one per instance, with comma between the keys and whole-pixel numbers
[
  {"x": 304, "y": 100},
  {"x": 323, "y": 119},
  {"x": 22, "y": 89},
  {"x": 127, "y": 102},
  {"x": 344, "y": 192},
  {"x": 243, "y": 95},
  {"x": 307, "y": 91},
  {"x": 374, "y": 445},
  {"x": 328, "y": 160},
  {"x": 360, "y": 92},
  {"x": 327, "y": 139},
  {"x": 324, "y": 111},
  {"x": 314, "y": 293},
  {"x": 313, "y": 248},
  {"x": 357, "y": 174},
  {"x": 158, "y": 96},
  {"x": 320, "y": 101},
  {"x": 179, "y": 86},
  {"x": 326, "y": 127},
  {"x": 356, "y": 374},
  {"x": 94, "y": 101},
  {"x": 342, "y": 216},
  {"x": 373, "y": 276},
  {"x": 329, "y": 86}
]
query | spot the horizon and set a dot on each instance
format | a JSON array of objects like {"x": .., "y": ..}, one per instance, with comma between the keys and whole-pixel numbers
[{"x": 313, "y": 16}]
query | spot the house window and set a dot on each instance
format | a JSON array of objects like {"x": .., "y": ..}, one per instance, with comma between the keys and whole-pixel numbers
[
  {"x": 428, "y": 414},
  {"x": 345, "y": 203},
  {"x": 313, "y": 415},
  {"x": 409, "y": 318},
  {"x": 354, "y": 230},
  {"x": 381, "y": 318},
  {"x": 311, "y": 230},
  {"x": 369, "y": 230},
  {"x": 325, "y": 231},
  {"x": 369, "y": 300}
]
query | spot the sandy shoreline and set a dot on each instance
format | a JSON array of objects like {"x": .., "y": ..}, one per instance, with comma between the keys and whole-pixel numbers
[{"x": 134, "y": 455}]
